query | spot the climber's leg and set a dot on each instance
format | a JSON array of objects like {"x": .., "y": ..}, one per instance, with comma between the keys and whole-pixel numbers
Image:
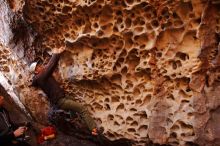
[{"x": 69, "y": 104}]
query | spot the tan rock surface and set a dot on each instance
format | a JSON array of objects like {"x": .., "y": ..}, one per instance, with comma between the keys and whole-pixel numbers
[{"x": 148, "y": 70}]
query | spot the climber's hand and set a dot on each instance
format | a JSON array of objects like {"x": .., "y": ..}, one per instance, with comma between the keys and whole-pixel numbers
[
  {"x": 58, "y": 50},
  {"x": 20, "y": 131},
  {"x": 97, "y": 131},
  {"x": 52, "y": 136},
  {"x": 94, "y": 131}
]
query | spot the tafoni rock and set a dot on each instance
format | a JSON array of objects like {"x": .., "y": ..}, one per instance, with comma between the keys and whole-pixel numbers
[{"x": 147, "y": 70}]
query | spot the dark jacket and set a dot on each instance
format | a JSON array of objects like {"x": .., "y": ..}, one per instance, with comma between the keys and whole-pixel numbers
[
  {"x": 6, "y": 128},
  {"x": 47, "y": 82}
]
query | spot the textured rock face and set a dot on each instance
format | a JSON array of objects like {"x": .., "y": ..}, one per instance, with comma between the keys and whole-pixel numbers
[{"x": 148, "y": 70}]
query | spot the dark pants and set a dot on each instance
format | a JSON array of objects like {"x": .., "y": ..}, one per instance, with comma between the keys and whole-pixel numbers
[{"x": 67, "y": 103}]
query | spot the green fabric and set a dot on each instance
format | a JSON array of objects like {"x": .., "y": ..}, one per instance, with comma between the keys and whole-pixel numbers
[{"x": 67, "y": 103}]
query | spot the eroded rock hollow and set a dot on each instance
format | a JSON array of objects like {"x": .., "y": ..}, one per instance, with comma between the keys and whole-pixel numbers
[{"x": 147, "y": 70}]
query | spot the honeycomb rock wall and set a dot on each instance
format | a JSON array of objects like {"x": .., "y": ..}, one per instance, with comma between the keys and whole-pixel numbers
[{"x": 148, "y": 70}]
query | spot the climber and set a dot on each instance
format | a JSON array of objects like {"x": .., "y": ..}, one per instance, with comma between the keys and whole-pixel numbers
[
  {"x": 10, "y": 133},
  {"x": 44, "y": 79}
]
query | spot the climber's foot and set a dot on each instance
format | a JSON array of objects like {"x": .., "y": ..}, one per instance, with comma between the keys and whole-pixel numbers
[{"x": 96, "y": 131}]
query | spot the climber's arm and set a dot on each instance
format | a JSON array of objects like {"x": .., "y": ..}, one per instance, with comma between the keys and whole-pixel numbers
[{"x": 49, "y": 68}]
